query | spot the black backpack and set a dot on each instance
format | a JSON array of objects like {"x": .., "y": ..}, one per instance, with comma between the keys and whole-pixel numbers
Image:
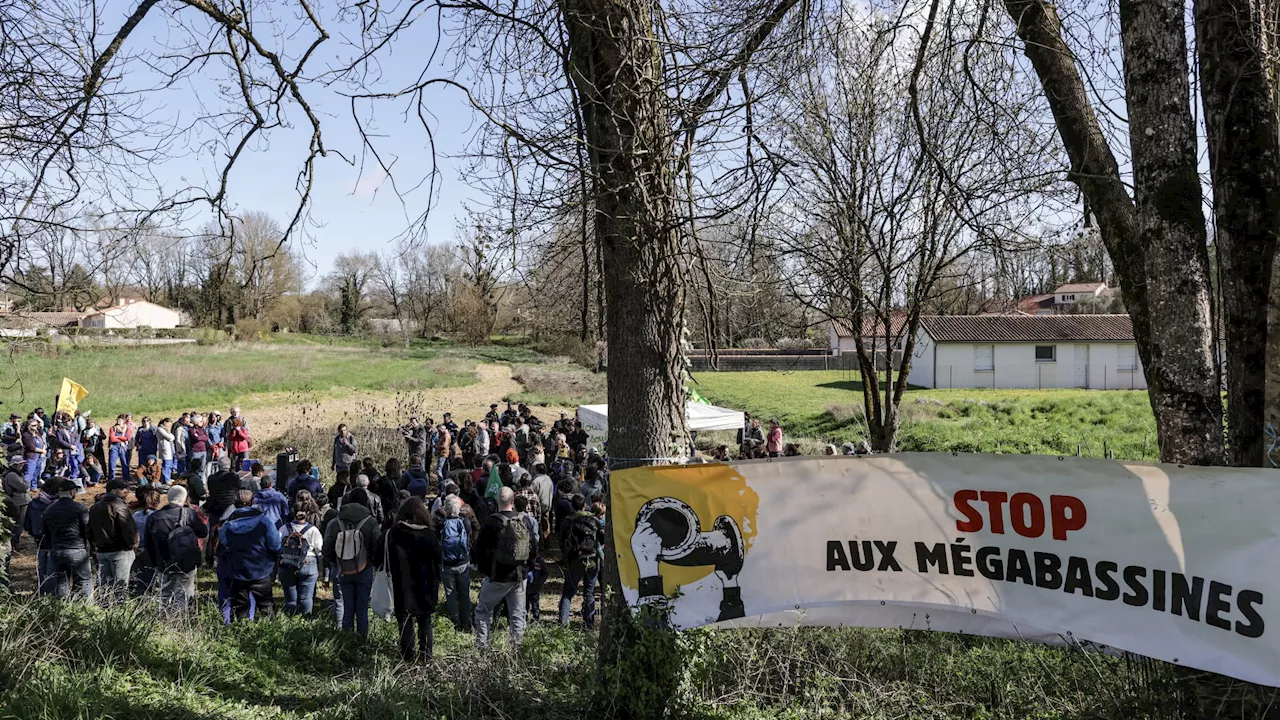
[
  {"x": 583, "y": 542},
  {"x": 184, "y": 546}
]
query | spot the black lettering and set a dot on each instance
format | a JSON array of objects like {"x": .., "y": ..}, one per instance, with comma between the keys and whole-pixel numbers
[
  {"x": 1110, "y": 589},
  {"x": 1246, "y": 601},
  {"x": 1019, "y": 567},
  {"x": 989, "y": 564},
  {"x": 926, "y": 556},
  {"x": 887, "y": 560},
  {"x": 961, "y": 561},
  {"x": 1187, "y": 597},
  {"x": 835, "y": 556},
  {"x": 1157, "y": 590},
  {"x": 1048, "y": 571},
  {"x": 1216, "y": 605},
  {"x": 1078, "y": 578},
  {"x": 864, "y": 560},
  {"x": 1137, "y": 596}
]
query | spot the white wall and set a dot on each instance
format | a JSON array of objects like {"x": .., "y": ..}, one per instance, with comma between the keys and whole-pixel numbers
[
  {"x": 134, "y": 315},
  {"x": 1016, "y": 367},
  {"x": 922, "y": 361}
]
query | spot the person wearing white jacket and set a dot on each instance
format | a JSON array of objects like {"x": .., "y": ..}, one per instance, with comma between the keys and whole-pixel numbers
[{"x": 164, "y": 451}]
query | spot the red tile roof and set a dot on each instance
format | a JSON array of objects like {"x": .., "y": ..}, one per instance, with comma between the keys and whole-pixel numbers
[
  {"x": 1028, "y": 328},
  {"x": 871, "y": 326}
]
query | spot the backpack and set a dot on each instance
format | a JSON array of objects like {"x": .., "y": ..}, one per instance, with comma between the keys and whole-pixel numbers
[
  {"x": 417, "y": 485},
  {"x": 294, "y": 549},
  {"x": 582, "y": 543},
  {"x": 184, "y": 546},
  {"x": 453, "y": 542},
  {"x": 353, "y": 556},
  {"x": 513, "y": 541}
]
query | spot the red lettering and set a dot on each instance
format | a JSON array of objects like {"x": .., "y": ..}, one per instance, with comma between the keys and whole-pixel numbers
[
  {"x": 1067, "y": 514},
  {"x": 963, "y": 500},
  {"x": 995, "y": 501},
  {"x": 1019, "y": 506}
]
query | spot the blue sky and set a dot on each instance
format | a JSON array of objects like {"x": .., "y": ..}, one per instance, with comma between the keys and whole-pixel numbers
[{"x": 353, "y": 208}]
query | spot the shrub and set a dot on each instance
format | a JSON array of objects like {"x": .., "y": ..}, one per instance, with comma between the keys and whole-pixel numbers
[
  {"x": 794, "y": 344},
  {"x": 250, "y": 329},
  {"x": 210, "y": 336}
]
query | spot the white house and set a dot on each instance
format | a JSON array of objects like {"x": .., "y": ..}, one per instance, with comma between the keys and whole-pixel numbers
[
  {"x": 131, "y": 313},
  {"x": 1027, "y": 351}
]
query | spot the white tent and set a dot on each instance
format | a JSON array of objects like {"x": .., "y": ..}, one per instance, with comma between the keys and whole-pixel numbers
[{"x": 595, "y": 418}]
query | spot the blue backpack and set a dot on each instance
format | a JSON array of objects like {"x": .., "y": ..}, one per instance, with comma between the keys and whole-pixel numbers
[{"x": 454, "y": 548}]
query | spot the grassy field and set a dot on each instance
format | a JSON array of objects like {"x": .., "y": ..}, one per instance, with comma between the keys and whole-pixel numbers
[
  {"x": 70, "y": 662},
  {"x": 827, "y": 406},
  {"x": 152, "y": 380}
]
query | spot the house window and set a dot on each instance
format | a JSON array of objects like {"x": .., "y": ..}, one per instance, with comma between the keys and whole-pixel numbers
[
  {"x": 984, "y": 358},
  {"x": 1128, "y": 358},
  {"x": 1046, "y": 353}
]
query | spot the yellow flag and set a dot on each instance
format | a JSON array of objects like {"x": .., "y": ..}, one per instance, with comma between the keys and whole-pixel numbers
[{"x": 71, "y": 395}]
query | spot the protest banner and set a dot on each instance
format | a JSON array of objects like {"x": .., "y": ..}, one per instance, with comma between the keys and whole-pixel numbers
[
  {"x": 1175, "y": 563},
  {"x": 70, "y": 396}
]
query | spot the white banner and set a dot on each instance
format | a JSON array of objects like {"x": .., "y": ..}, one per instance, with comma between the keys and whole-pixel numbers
[{"x": 1176, "y": 563}]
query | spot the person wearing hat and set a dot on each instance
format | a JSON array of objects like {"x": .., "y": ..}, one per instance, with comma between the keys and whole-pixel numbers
[
  {"x": 492, "y": 416},
  {"x": 17, "y": 494},
  {"x": 114, "y": 535},
  {"x": 66, "y": 537},
  {"x": 773, "y": 441}
]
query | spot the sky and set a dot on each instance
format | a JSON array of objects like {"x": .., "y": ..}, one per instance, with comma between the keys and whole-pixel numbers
[{"x": 353, "y": 208}]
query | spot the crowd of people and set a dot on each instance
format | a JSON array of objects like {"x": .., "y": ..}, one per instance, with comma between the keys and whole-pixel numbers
[{"x": 503, "y": 498}]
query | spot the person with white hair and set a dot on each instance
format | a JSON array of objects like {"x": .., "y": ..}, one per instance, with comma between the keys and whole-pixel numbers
[
  {"x": 375, "y": 502},
  {"x": 172, "y": 544},
  {"x": 504, "y": 551}
]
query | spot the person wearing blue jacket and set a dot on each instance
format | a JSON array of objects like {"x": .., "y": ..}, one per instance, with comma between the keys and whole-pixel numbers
[
  {"x": 249, "y": 544},
  {"x": 307, "y": 479},
  {"x": 271, "y": 501}
]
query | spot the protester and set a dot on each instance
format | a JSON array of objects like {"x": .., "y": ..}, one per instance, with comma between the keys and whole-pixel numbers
[
  {"x": 66, "y": 537},
  {"x": 456, "y": 541},
  {"x": 305, "y": 480},
  {"x": 34, "y": 525},
  {"x": 273, "y": 504},
  {"x": 172, "y": 539},
  {"x": 33, "y": 452},
  {"x": 253, "y": 481},
  {"x": 148, "y": 501},
  {"x": 344, "y": 450},
  {"x": 17, "y": 494},
  {"x": 410, "y": 553},
  {"x": 415, "y": 479},
  {"x": 238, "y": 442},
  {"x": 165, "y": 453},
  {"x": 115, "y": 538},
  {"x": 375, "y": 502},
  {"x": 504, "y": 551},
  {"x": 581, "y": 538},
  {"x": 118, "y": 454},
  {"x": 773, "y": 442},
  {"x": 224, "y": 488},
  {"x": 348, "y": 540},
  {"x": 300, "y": 547},
  {"x": 250, "y": 544}
]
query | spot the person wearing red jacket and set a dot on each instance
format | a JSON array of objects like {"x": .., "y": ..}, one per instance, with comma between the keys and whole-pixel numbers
[
  {"x": 238, "y": 442},
  {"x": 118, "y": 438}
]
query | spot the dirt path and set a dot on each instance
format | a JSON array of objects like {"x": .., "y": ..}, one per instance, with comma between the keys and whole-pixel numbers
[{"x": 272, "y": 414}]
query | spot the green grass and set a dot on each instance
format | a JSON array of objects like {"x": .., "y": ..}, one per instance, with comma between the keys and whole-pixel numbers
[
  {"x": 827, "y": 406},
  {"x": 70, "y": 661},
  {"x": 177, "y": 377}
]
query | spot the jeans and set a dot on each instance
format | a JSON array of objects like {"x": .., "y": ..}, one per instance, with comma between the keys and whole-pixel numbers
[
  {"x": 407, "y": 625},
  {"x": 118, "y": 456},
  {"x": 299, "y": 587},
  {"x": 72, "y": 572},
  {"x": 588, "y": 577},
  {"x": 246, "y": 593},
  {"x": 457, "y": 595},
  {"x": 144, "y": 577},
  {"x": 73, "y": 466},
  {"x": 203, "y": 465},
  {"x": 181, "y": 463},
  {"x": 166, "y": 471},
  {"x": 491, "y": 594},
  {"x": 441, "y": 468},
  {"x": 31, "y": 471},
  {"x": 45, "y": 580},
  {"x": 178, "y": 588},
  {"x": 356, "y": 590},
  {"x": 113, "y": 574}
]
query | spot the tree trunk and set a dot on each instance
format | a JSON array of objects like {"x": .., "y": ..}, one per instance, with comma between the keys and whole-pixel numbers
[
  {"x": 616, "y": 60},
  {"x": 1244, "y": 160},
  {"x": 1172, "y": 228},
  {"x": 1159, "y": 257}
]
